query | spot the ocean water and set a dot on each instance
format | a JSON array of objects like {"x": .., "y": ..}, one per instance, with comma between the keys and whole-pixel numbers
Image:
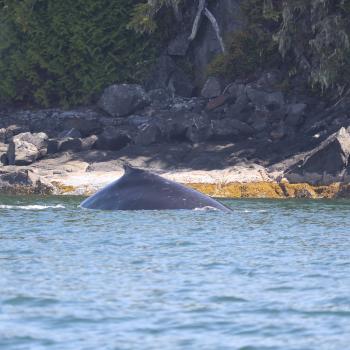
[{"x": 270, "y": 275}]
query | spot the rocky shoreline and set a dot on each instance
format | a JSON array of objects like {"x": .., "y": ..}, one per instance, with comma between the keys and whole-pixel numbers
[{"x": 246, "y": 139}]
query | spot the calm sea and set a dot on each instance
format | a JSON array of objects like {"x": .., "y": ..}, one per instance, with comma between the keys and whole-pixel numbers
[{"x": 271, "y": 275}]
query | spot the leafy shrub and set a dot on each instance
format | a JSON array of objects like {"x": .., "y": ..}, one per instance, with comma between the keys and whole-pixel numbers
[{"x": 65, "y": 52}]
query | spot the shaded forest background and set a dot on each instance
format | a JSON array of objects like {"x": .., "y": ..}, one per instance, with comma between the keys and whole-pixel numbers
[{"x": 65, "y": 52}]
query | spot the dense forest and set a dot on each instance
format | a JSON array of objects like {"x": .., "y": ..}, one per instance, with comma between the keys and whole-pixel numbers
[{"x": 65, "y": 53}]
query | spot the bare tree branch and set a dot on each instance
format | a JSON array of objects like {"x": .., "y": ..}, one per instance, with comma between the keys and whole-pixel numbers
[
  {"x": 216, "y": 28},
  {"x": 195, "y": 26}
]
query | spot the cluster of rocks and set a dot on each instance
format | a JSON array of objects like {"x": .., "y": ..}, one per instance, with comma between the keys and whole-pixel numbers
[{"x": 253, "y": 122}]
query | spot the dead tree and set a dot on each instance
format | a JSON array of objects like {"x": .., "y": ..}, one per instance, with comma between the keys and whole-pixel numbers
[{"x": 203, "y": 10}]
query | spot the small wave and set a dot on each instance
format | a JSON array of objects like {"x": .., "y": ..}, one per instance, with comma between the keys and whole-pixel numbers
[
  {"x": 32, "y": 207},
  {"x": 206, "y": 208}
]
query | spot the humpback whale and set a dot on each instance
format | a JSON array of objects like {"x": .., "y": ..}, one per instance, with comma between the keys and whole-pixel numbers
[{"x": 142, "y": 190}]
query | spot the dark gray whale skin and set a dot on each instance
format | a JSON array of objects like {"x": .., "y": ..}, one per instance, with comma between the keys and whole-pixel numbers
[{"x": 141, "y": 190}]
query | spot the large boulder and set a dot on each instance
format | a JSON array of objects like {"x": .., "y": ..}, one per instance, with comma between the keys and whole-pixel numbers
[
  {"x": 26, "y": 148},
  {"x": 120, "y": 100},
  {"x": 21, "y": 153},
  {"x": 327, "y": 163},
  {"x": 199, "y": 130}
]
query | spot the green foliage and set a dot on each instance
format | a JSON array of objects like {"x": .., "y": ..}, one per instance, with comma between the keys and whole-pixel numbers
[
  {"x": 315, "y": 34},
  {"x": 251, "y": 48},
  {"x": 312, "y": 37},
  {"x": 66, "y": 52},
  {"x": 144, "y": 16}
]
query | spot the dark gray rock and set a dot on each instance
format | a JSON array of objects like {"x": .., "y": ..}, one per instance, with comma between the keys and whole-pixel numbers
[
  {"x": 295, "y": 114},
  {"x": 138, "y": 120},
  {"x": 70, "y": 144},
  {"x": 123, "y": 99},
  {"x": 265, "y": 100},
  {"x": 236, "y": 90},
  {"x": 327, "y": 163},
  {"x": 174, "y": 125},
  {"x": 160, "y": 97},
  {"x": 53, "y": 146},
  {"x": 239, "y": 107},
  {"x": 179, "y": 45},
  {"x": 227, "y": 129},
  {"x": 211, "y": 88},
  {"x": 199, "y": 130},
  {"x": 260, "y": 124},
  {"x": 147, "y": 135},
  {"x": 181, "y": 84},
  {"x": 279, "y": 132},
  {"x": 113, "y": 139}
]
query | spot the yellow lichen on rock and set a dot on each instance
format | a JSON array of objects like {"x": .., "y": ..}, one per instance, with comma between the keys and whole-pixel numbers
[
  {"x": 272, "y": 190},
  {"x": 267, "y": 189},
  {"x": 302, "y": 190},
  {"x": 62, "y": 188},
  {"x": 240, "y": 190},
  {"x": 329, "y": 192}
]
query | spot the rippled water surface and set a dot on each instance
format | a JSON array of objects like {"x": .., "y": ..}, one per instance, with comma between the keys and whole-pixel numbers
[{"x": 271, "y": 275}]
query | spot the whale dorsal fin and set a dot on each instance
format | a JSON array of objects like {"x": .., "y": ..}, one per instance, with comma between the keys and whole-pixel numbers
[{"x": 128, "y": 169}]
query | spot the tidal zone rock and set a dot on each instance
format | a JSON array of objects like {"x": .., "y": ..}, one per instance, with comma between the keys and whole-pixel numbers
[
  {"x": 23, "y": 182},
  {"x": 327, "y": 163},
  {"x": 26, "y": 148}
]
